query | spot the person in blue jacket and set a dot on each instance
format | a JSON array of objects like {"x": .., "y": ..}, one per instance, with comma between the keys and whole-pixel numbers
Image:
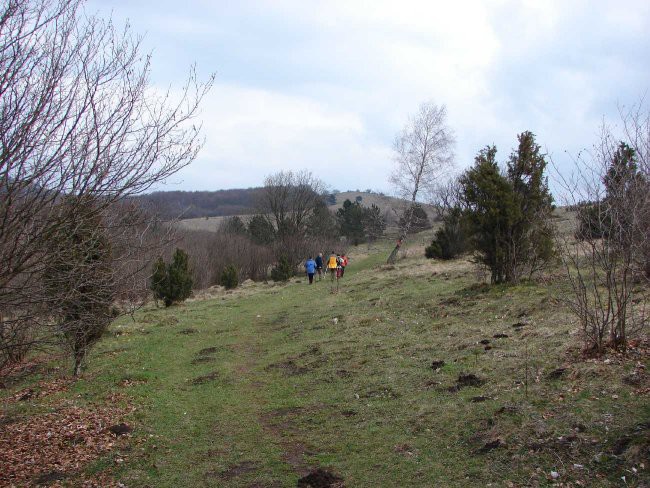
[
  {"x": 319, "y": 265},
  {"x": 310, "y": 268}
]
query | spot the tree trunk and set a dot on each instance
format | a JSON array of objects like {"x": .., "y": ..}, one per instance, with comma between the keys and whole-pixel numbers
[{"x": 393, "y": 255}]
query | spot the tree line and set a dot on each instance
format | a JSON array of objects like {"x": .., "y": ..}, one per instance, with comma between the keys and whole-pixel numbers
[
  {"x": 291, "y": 222},
  {"x": 193, "y": 204}
]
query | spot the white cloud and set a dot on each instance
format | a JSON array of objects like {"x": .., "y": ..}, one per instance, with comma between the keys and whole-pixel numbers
[
  {"x": 252, "y": 132},
  {"x": 325, "y": 85}
]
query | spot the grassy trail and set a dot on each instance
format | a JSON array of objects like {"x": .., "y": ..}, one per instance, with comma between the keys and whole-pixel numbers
[{"x": 257, "y": 387}]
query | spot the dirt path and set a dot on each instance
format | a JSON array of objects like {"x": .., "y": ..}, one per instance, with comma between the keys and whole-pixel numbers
[{"x": 277, "y": 424}]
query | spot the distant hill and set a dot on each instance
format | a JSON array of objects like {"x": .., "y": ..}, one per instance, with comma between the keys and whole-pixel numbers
[
  {"x": 206, "y": 209},
  {"x": 384, "y": 202},
  {"x": 201, "y": 204}
]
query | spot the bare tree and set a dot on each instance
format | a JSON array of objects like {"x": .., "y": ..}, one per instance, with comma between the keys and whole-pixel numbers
[
  {"x": 289, "y": 200},
  {"x": 78, "y": 121},
  {"x": 607, "y": 262},
  {"x": 445, "y": 195},
  {"x": 423, "y": 152}
]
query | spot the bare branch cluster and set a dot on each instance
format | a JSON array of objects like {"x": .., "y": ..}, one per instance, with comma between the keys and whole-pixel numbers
[
  {"x": 81, "y": 129},
  {"x": 289, "y": 199},
  {"x": 608, "y": 261}
]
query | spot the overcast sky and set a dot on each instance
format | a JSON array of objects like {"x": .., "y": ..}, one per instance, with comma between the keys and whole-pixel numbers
[{"x": 326, "y": 85}]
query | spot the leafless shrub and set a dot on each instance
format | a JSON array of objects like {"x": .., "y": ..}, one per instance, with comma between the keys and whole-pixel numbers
[
  {"x": 445, "y": 195},
  {"x": 607, "y": 260},
  {"x": 79, "y": 123}
]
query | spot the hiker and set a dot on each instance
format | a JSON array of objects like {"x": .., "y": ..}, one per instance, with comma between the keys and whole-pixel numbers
[
  {"x": 344, "y": 263},
  {"x": 332, "y": 269},
  {"x": 339, "y": 267},
  {"x": 319, "y": 265},
  {"x": 310, "y": 268}
]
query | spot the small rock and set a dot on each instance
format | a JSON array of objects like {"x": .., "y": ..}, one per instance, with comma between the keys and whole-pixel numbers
[
  {"x": 335, "y": 320},
  {"x": 555, "y": 475}
]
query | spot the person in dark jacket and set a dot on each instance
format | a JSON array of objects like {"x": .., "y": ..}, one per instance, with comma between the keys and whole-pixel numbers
[
  {"x": 319, "y": 265},
  {"x": 310, "y": 268}
]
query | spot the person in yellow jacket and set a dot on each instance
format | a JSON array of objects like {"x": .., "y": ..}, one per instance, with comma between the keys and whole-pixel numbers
[{"x": 332, "y": 265}]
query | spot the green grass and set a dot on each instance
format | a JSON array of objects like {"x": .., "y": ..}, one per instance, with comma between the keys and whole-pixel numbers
[{"x": 287, "y": 388}]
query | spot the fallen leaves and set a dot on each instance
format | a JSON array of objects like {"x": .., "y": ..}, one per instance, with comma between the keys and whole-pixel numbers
[
  {"x": 41, "y": 389},
  {"x": 57, "y": 444}
]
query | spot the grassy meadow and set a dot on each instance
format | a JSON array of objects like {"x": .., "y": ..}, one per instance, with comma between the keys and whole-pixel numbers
[{"x": 417, "y": 374}]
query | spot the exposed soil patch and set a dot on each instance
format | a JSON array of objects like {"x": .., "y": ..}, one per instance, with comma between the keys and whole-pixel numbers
[
  {"x": 469, "y": 379},
  {"x": 208, "y": 350},
  {"x": 168, "y": 321},
  {"x": 556, "y": 373},
  {"x": 284, "y": 412},
  {"x": 348, "y": 413},
  {"x": 280, "y": 321},
  {"x": 484, "y": 341},
  {"x": 312, "y": 351},
  {"x": 51, "y": 477},
  {"x": 490, "y": 446},
  {"x": 288, "y": 368},
  {"x": 203, "y": 360},
  {"x": 188, "y": 331},
  {"x": 120, "y": 429},
  {"x": 237, "y": 470},
  {"x": 320, "y": 478},
  {"x": 507, "y": 409},
  {"x": 343, "y": 373},
  {"x": 451, "y": 301},
  {"x": 200, "y": 380},
  {"x": 437, "y": 364},
  {"x": 464, "y": 380},
  {"x": 519, "y": 325},
  {"x": 478, "y": 399},
  {"x": 281, "y": 424},
  {"x": 500, "y": 336},
  {"x": 635, "y": 378}
]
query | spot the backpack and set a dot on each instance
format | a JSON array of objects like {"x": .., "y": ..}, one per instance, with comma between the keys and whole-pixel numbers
[{"x": 331, "y": 262}]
